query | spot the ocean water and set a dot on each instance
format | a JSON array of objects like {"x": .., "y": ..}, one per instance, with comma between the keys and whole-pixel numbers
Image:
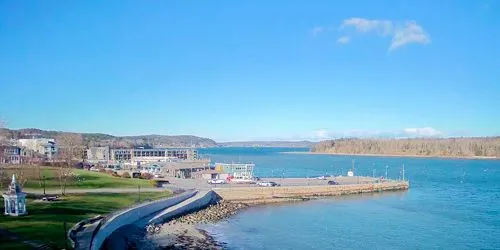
[{"x": 451, "y": 204}]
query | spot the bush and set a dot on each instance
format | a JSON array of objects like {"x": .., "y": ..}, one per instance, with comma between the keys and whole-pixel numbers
[
  {"x": 146, "y": 176},
  {"x": 126, "y": 175},
  {"x": 155, "y": 183}
]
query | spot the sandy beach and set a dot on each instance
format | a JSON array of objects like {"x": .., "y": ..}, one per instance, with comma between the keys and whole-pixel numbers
[{"x": 393, "y": 155}]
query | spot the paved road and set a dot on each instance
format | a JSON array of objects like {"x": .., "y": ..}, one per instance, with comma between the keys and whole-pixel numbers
[
  {"x": 190, "y": 184},
  {"x": 95, "y": 190}
]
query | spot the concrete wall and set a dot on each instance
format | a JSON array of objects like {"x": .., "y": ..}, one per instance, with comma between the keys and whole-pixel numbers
[
  {"x": 276, "y": 194},
  {"x": 132, "y": 215},
  {"x": 200, "y": 201}
]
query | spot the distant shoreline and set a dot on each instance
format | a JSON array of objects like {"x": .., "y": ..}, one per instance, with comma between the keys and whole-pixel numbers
[{"x": 393, "y": 155}]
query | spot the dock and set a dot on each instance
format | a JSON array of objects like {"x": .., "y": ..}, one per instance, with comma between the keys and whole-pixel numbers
[{"x": 304, "y": 189}]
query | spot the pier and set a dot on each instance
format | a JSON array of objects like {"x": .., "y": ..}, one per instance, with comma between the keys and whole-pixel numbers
[{"x": 302, "y": 189}]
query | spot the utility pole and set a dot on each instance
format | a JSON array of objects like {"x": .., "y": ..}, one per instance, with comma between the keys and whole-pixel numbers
[{"x": 44, "y": 186}]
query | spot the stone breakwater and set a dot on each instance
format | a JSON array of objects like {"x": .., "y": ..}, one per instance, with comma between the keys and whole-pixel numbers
[
  {"x": 262, "y": 195},
  {"x": 212, "y": 214}
]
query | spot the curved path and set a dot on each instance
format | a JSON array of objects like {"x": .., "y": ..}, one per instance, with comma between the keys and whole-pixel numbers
[{"x": 95, "y": 190}]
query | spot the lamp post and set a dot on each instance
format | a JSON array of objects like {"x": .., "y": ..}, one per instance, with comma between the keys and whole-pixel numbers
[{"x": 43, "y": 185}]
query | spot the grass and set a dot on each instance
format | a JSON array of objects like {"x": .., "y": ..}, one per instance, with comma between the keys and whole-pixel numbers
[
  {"x": 82, "y": 179},
  {"x": 45, "y": 220}
]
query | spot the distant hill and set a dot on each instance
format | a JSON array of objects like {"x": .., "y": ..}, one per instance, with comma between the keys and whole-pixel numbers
[
  {"x": 285, "y": 144},
  {"x": 438, "y": 147},
  {"x": 97, "y": 139}
]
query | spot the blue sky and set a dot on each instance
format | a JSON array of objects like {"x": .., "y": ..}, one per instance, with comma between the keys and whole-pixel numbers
[{"x": 245, "y": 70}]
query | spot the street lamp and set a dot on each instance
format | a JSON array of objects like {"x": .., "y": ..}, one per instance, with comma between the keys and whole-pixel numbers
[{"x": 44, "y": 185}]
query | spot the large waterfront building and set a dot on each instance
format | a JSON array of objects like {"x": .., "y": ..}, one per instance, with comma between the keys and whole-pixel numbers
[
  {"x": 141, "y": 155},
  {"x": 239, "y": 171},
  {"x": 43, "y": 146},
  {"x": 98, "y": 155}
]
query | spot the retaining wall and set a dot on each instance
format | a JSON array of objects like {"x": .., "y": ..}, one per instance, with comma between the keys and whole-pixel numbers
[
  {"x": 200, "y": 201},
  {"x": 132, "y": 215},
  {"x": 252, "y": 195}
]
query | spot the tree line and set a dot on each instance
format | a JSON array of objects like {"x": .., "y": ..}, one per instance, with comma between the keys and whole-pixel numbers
[{"x": 441, "y": 147}]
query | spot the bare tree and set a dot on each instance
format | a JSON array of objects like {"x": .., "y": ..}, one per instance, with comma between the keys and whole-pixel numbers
[
  {"x": 456, "y": 147},
  {"x": 3, "y": 142},
  {"x": 70, "y": 149}
]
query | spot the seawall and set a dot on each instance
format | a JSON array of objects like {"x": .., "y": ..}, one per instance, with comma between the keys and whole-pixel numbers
[
  {"x": 130, "y": 217},
  {"x": 258, "y": 195}
]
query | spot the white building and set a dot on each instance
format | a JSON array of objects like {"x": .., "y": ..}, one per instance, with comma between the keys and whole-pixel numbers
[
  {"x": 237, "y": 171},
  {"x": 43, "y": 146},
  {"x": 141, "y": 156},
  {"x": 98, "y": 155}
]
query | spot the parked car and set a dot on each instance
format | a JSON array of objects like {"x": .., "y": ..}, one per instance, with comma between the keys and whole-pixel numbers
[
  {"x": 268, "y": 184},
  {"x": 333, "y": 183},
  {"x": 217, "y": 181}
]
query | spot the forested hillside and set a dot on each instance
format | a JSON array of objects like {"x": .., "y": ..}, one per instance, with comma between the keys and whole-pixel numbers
[
  {"x": 96, "y": 139},
  {"x": 449, "y": 147}
]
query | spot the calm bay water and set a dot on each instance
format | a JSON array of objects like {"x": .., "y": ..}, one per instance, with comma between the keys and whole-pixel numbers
[{"x": 451, "y": 204}]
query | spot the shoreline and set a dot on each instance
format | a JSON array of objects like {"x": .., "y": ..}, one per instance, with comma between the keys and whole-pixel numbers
[
  {"x": 396, "y": 155},
  {"x": 184, "y": 232}
]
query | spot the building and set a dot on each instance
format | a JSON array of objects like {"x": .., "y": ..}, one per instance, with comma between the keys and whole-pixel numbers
[
  {"x": 211, "y": 175},
  {"x": 14, "y": 199},
  {"x": 10, "y": 155},
  {"x": 238, "y": 171},
  {"x": 184, "y": 169},
  {"x": 43, "y": 146},
  {"x": 141, "y": 155},
  {"x": 98, "y": 155}
]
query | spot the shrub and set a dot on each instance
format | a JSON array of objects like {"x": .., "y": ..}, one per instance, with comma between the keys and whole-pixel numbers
[
  {"x": 154, "y": 183},
  {"x": 126, "y": 175},
  {"x": 146, "y": 176}
]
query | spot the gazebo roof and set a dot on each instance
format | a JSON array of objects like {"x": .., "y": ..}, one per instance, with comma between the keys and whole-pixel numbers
[{"x": 14, "y": 188}]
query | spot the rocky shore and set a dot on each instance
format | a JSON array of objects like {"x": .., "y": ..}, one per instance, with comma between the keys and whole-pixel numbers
[
  {"x": 214, "y": 213},
  {"x": 181, "y": 233}
]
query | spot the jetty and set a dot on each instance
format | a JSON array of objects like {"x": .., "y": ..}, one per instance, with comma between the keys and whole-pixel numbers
[{"x": 294, "y": 189}]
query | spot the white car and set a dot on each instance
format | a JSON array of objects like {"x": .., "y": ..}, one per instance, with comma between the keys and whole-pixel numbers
[
  {"x": 217, "y": 181},
  {"x": 268, "y": 184}
]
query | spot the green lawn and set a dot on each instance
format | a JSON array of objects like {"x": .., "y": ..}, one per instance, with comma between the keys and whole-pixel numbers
[
  {"x": 81, "y": 179},
  {"x": 44, "y": 221}
]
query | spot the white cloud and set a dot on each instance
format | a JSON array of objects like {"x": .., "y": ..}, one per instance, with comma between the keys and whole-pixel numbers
[
  {"x": 343, "y": 39},
  {"x": 411, "y": 32},
  {"x": 402, "y": 33},
  {"x": 383, "y": 27},
  {"x": 422, "y": 132},
  {"x": 322, "y": 134},
  {"x": 317, "y": 30}
]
